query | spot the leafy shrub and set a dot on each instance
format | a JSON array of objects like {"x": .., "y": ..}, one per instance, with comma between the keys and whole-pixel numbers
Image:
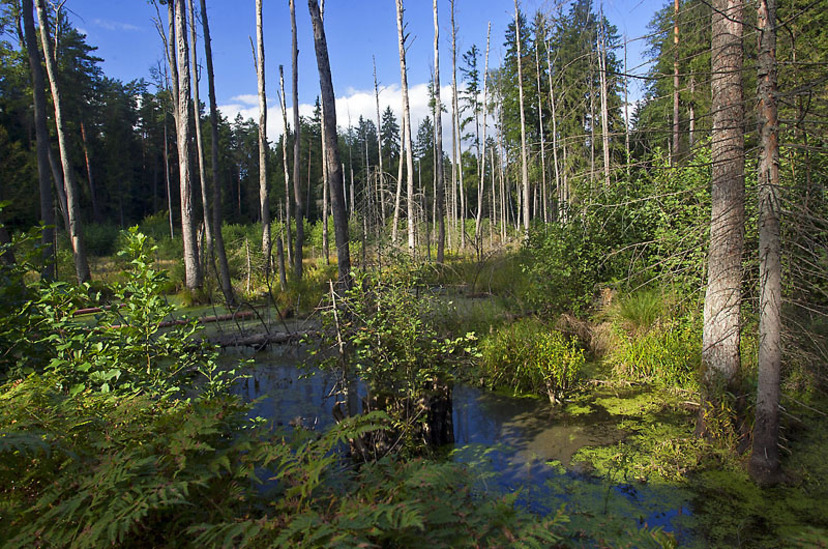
[
  {"x": 669, "y": 352},
  {"x": 386, "y": 335},
  {"x": 529, "y": 357}
]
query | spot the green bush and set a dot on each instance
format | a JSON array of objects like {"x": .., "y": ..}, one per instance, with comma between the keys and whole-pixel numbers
[
  {"x": 669, "y": 352},
  {"x": 529, "y": 357}
]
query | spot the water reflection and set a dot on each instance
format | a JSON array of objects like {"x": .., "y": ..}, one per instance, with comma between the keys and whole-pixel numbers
[{"x": 510, "y": 442}]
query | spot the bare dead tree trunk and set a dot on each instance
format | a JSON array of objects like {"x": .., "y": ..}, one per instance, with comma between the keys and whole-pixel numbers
[
  {"x": 325, "y": 243},
  {"x": 336, "y": 179},
  {"x": 676, "y": 83},
  {"x": 199, "y": 142},
  {"x": 218, "y": 238},
  {"x": 47, "y": 201},
  {"x": 192, "y": 265},
  {"x": 482, "y": 157},
  {"x": 93, "y": 195},
  {"x": 554, "y": 130},
  {"x": 264, "y": 204},
  {"x": 457, "y": 137},
  {"x": 167, "y": 178},
  {"x": 297, "y": 185},
  {"x": 283, "y": 106},
  {"x": 602, "y": 67},
  {"x": 524, "y": 164},
  {"x": 720, "y": 346},
  {"x": 75, "y": 227},
  {"x": 398, "y": 194},
  {"x": 409, "y": 155},
  {"x": 380, "y": 186},
  {"x": 440, "y": 196},
  {"x": 542, "y": 137},
  {"x": 627, "y": 113},
  {"x": 764, "y": 460}
]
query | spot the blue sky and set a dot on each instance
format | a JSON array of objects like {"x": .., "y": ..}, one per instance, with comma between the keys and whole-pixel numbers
[{"x": 124, "y": 32}]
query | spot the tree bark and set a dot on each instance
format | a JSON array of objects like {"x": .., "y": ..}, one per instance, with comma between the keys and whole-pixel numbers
[
  {"x": 380, "y": 186},
  {"x": 264, "y": 204},
  {"x": 398, "y": 195},
  {"x": 720, "y": 346},
  {"x": 524, "y": 165},
  {"x": 676, "y": 83},
  {"x": 602, "y": 66},
  {"x": 218, "y": 239},
  {"x": 482, "y": 155},
  {"x": 457, "y": 137},
  {"x": 47, "y": 201},
  {"x": 202, "y": 175},
  {"x": 297, "y": 185},
  {"x": 192, "y": 265},
  {"x": 541, "y": 135},
  {"x": 335, "y": 177},
  {"x": 75, "y": 227},
  {"x": 409, "y": 155},
  {"x": 283, "y": 106},
  {"x": 438, "y": 140},
  {"x": 764, "y": 460}
]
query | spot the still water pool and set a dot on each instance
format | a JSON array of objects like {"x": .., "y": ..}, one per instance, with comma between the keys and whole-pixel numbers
[{"x": 521, "y": 445}]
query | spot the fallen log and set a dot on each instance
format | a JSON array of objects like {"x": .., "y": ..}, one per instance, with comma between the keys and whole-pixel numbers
[
  {"x": 205, "y": 320},
  {"x": 259, "y": 340}
]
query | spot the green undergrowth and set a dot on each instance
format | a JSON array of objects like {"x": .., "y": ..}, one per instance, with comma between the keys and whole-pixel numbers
[
  {"x": 661, "y": 453},
  {"x": 529, "y": 357}
]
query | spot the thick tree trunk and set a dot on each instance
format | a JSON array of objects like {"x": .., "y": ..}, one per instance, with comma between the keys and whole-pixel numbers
[
  {"x": 764, "y": 460},
  {"x": 264, "y": 204},
  {"x": 297, "y": 185},
  {"x": 440, "y": 195},
  {"x": 335, "y": 177},
  {"x": 398, "y": 195},
  {"x": 524, "y": 163},
  {"x": 218, "y": 239},
  {"x": 202, "y": 175},
  {"x": 720, "y": 347},
  {"x": 192, "y": 265},
  {"x": 409, "y": 154},
  {"x": 283, "y": 106},
  {"x": 47, "y": 201},
  {"x": 75, "y": 227}
]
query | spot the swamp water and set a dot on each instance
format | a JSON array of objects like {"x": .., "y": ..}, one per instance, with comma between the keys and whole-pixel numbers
[{"x": 521, "y": 445}]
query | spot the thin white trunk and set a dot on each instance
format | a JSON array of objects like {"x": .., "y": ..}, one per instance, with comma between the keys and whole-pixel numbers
[
  {"x": 283, "y": 106},
  {"x": 602, "y": 66},
  {"x": 75, "y": 227},
  {"x": 264, "y": 205},
  {"x": 409, "y": 155},
  {"x": 482, "y": 156},
  {"x": 524, "y": 163},
  {"x": 440, "y": 191}
]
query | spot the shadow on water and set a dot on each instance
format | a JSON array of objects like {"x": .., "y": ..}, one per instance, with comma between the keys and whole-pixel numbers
[{"x": 514, "y": 444}]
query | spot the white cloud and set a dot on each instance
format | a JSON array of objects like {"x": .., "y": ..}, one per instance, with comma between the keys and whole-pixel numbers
[
  {"x": 349, "y": 108},
  {"x": 114, "y": 25}
]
